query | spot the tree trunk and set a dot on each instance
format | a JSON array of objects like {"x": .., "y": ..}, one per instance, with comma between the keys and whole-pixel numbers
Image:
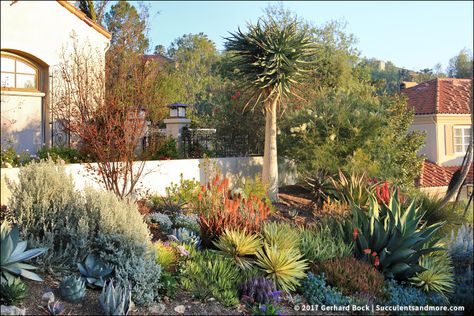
[{"x": 270, "y": 164}]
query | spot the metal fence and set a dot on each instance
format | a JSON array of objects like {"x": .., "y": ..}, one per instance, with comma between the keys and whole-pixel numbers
[{"x": 195, "y": 143}]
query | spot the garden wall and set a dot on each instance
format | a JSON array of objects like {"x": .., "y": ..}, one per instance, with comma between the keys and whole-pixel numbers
[{"x": 158, "y": 174}]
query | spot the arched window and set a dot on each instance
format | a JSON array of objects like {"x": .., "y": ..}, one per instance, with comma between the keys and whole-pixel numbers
[{"x": 18, "y": 74}]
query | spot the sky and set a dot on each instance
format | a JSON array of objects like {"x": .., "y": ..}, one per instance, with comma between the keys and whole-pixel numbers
[{"x": 412, "y": 34}]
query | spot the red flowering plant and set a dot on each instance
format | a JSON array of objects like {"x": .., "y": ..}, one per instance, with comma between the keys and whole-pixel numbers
[
  {"x": 383, "y": 191},
  {"x": 218, "y": 209}
]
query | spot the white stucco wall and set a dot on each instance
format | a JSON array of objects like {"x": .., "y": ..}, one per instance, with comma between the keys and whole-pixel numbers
[
  {"x": 454, "y": 159},
  {"x": 43, "y": 28},
  {"x": 159, "y": 174},
  {"x": 426, "y": 124},
  {"x": 39, "y": 31}
]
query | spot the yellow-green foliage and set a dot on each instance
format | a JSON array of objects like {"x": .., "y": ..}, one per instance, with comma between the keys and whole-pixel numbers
[
  {"x": 281, "y": 235},
  {"x": 239, "y": 244},
  {"x": 284, "y": 266},
  {"x": 53, "y": 214},
  {"x": 165, "y": 255}
]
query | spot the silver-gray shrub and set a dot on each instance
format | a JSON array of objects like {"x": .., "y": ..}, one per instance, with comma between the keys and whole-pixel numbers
[{"x": 51, "y": 213}]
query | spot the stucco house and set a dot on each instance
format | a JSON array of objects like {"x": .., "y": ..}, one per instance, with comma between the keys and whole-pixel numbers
[
  {"x": 34, "y": 34},
  {"x": 442, "y": 110}
]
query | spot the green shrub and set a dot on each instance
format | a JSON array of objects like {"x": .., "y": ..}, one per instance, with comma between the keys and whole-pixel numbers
[
  {"x": 69, "y": 155},
  {"x": 167, "y": 150},
  {"x": 165, "y": 255},
  {"x": 52, "y": 214},
  {"x": 206, "y": 274},
  {"x": 352, "y": 189},
  {"x": 186, "y": 191},
  {"x": 392, "y": 237},
  {"x": 281, "y": 235},
  {"x": 133, "y": 263},
  {"x": 352, "y": 276},
  {"x": 13, "y": 292},
  {"x": 317, "y": 292},
  {"x": 11, "y": 158},
  {"x": 323, "y": 244}
]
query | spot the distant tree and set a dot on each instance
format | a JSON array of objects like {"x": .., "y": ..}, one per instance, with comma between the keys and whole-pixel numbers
[
  {"x": 460, "y": 66},
  {"x": 87, "y": 6},
  {"x": 270, "y": 59},
  {"x": 160, "y": 50}
]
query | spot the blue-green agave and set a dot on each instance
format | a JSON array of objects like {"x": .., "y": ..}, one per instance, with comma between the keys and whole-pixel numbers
[
  {"x": 115, "y": 300},
  {"x": 13, "y": 253},
  {"x": 72, "y": 289},
  {"x": 392, "y": 237},
  {"x": 94, "y": 271}
]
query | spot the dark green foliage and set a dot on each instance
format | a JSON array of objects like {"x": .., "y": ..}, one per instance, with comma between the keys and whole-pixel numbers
[
  {"x": 169, "y": 285},
  {"x": 167, "y": 150},
  {"x": 318, "y": 183},
  {"x": 69, "y": 155},
  {"x": 316, "y": 291},
  {"x": 206, "y": 274},
  {"x": 72, "y": 289},
  {"x": 352, "y": 276},
  {"x": 13, "y": 292},
  {"x": 87, "y": 6},
  {"x": 259, "y": 289},
  {"x": 132, "y": 264}
]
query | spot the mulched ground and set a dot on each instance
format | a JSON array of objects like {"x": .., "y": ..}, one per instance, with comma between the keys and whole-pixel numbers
[{"x": 294, "y": 205}]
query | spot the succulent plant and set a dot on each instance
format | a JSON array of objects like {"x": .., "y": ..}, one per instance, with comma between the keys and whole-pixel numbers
[
  {"x": 115, "y": 300},
  {"x": 13, "y": 255},
  {"x": 162, "y": 219},
  {"x": 238, "y": 245},
  {"x": 94, "y": 271},
  {"x": 259, "y": 289},
  {"x": 184, "y": 235},
  {"x": 55, "y": 308},
  {"x": 12, "y": 292},
  {"x": 72, "y": 289}
]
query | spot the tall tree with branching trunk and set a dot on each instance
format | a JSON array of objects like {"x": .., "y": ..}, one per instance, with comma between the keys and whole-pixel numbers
[{"x": 271, "y": 59}]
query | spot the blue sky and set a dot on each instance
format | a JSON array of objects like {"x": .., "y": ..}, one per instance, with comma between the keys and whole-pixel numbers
[{"x": 413, "y": 35}]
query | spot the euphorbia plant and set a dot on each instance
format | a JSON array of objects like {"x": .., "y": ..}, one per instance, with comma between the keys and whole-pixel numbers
[{"x": 218, "y": 210}]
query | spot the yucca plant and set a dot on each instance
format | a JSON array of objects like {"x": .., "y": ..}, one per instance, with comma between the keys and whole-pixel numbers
[
  {"x": 13, "y": 254},
  {"x": 94, "y": 271},
  {"x": 239, "y": 245},
  {"x": 284, "y": 266},
  {"x": 438, "y": 276},
  {"x": 281, "y": 235},
  {"x": 392, "y": 237},
  {"x": 115, "y": 300},
  {"x": 271, "y": 58}
]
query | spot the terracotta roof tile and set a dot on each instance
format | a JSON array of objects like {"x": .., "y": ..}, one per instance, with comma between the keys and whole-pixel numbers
[
  {"x": 434, "y": 175},
  {"x": 440, "y": 96}
]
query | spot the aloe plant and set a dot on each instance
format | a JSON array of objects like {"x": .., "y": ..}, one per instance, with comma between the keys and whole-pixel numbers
[
  {"x": 14, "y": 252},
  {"x": 392, "y": 236},
  {"x": 94, "y": 271},
  {"x": 115, "y": 300}
]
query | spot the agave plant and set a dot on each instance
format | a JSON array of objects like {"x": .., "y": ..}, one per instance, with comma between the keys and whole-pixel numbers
[
  {"x": 72, "y": 289},
  {"x": 238, "y": 244},
  {"x": 94, "y": 271},
  {"x": 283, "y": 266},
  {"x": 392, "y": 236},
  {"x": 319, "y": 185},
  {"x": 115, "y": 300},
  {"x": 55, "y": 308},
  {"x": 185, "y": 235},
  {"x": 13, "y": 254}
]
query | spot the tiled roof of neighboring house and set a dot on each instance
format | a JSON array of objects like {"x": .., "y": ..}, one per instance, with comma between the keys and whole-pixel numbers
[
  {"x": 433, "y": 175},
  {"x": 158, "y": 57},
  {"x": 440, "y": 96},
  {"x": 81, "y": 15}
]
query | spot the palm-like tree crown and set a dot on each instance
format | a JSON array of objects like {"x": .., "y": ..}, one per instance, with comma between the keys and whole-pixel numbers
[{"x": 270, "y": 57}]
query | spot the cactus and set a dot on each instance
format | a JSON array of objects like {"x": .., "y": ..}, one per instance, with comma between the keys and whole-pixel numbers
[
  {"x": 94, "y": 271},
  {"x": 72, "y": 289},
  {"x": 115, "y": 300}
]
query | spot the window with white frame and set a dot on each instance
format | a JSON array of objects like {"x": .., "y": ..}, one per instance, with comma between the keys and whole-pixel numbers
[
  {"x": 462, "y": 138},
  {"x": 17, "y": 73}
]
